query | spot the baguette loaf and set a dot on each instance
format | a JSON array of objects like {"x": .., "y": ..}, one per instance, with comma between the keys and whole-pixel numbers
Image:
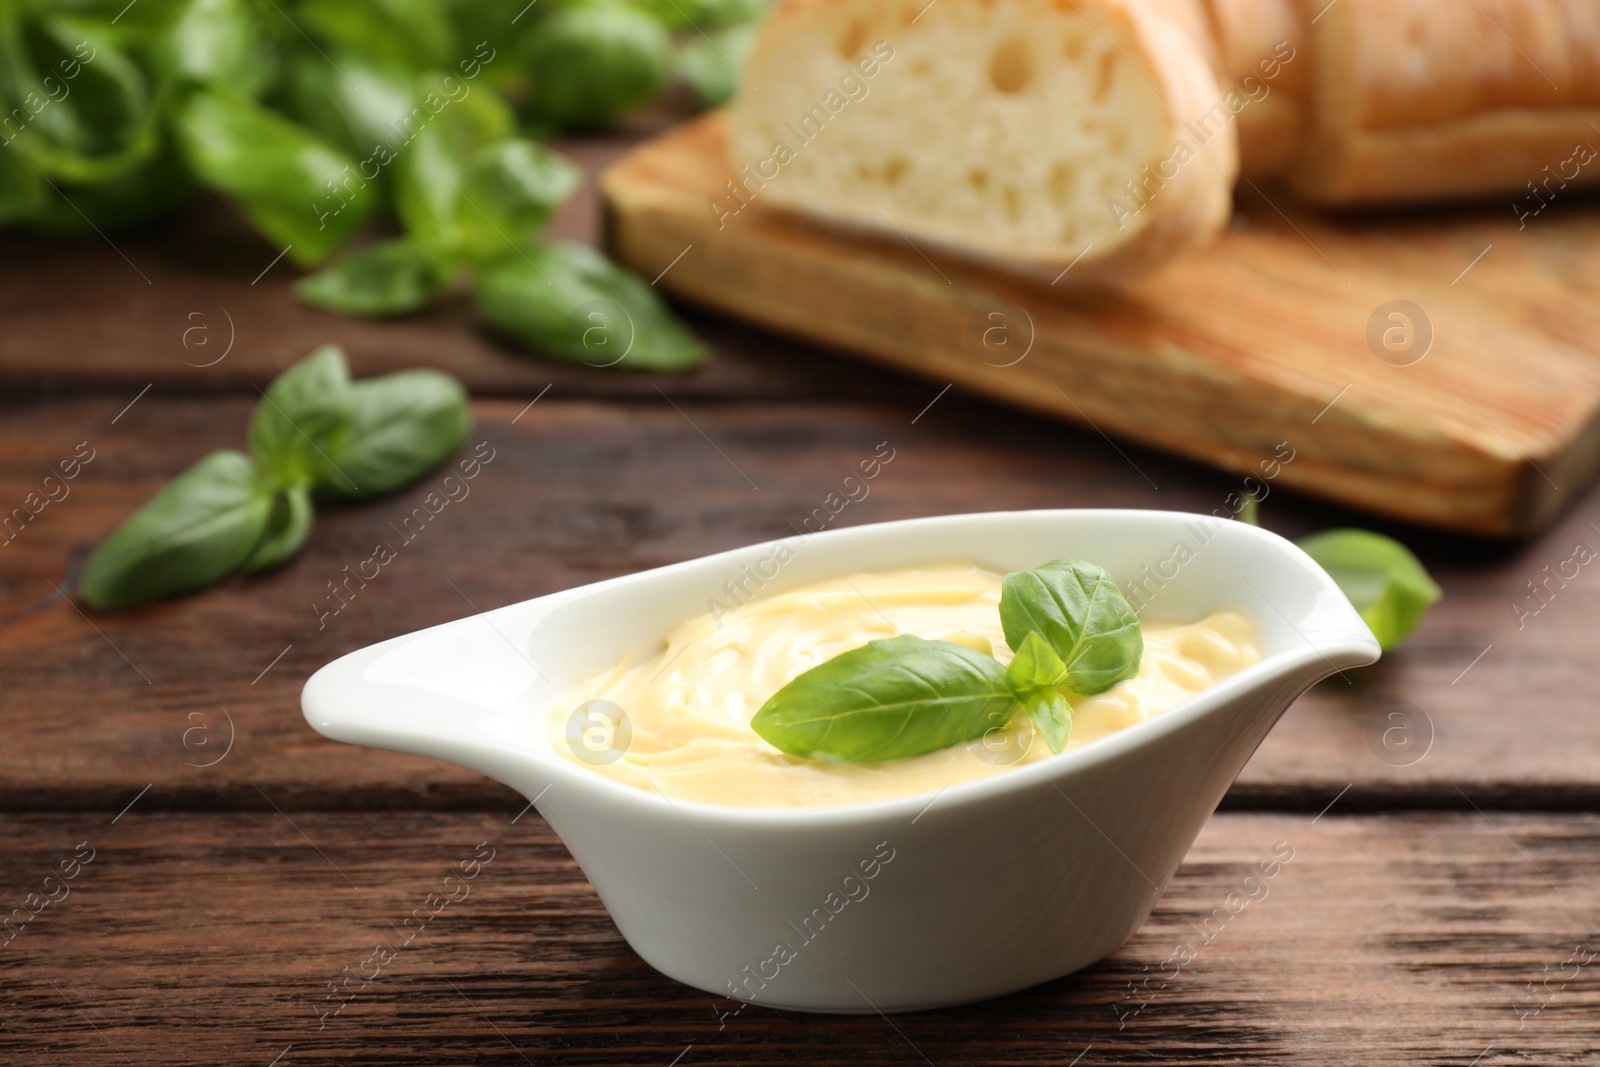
[
  {"x": 1431, "y": 99},
  {"x": 1252, "y": 46},
  {"x": 1033, "y": 135},
  {"x": 1260, "y": 52}
]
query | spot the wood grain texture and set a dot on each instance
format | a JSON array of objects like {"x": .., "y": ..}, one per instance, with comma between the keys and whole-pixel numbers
[
  {"x": 1262, "y": 338},
  {"x": 192, "y": 308},
  {"x": 206, "y": 939},
  {"x": 580, "y": 491}
]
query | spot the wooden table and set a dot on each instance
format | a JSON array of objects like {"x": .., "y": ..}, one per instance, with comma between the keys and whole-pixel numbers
[{"x": 232, "y": 867}]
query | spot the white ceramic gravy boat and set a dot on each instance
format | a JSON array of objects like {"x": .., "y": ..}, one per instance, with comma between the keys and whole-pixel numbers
[{"x": 918, "y": 902}]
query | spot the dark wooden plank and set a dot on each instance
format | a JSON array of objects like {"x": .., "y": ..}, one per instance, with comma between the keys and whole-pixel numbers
[
  {"x": 206, "y": 939},
  {"x": 96, "y": 708},
  {"x": 191, "y": 307}
]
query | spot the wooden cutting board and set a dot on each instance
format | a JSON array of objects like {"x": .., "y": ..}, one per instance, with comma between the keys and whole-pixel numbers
[{"x": 1266, "y": 345}]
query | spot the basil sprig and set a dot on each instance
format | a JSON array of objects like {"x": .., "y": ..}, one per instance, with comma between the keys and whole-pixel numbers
[
  {"x": 312, "y": 118},
  {"x": 1381, "y": 578},
  {"x": 1073, "y": 634},
  {"x": 314, "y": 432}
]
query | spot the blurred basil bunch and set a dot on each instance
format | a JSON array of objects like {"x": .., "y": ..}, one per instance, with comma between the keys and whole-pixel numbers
[{"x": 313, "y": 117}]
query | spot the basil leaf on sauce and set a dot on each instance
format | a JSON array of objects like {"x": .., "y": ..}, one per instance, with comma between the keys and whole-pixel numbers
[
  {"x": 1035, "y": 666},
  {"x": 1380, "y": 576},
  {"x": 1050, "y": 712},
  {"x": 1078, "y": 610},
  {"x": 889, "y": 699},
  {"x": 1034, "y": 674}
]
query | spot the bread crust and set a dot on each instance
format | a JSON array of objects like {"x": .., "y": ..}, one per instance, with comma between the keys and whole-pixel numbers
[
  {"x": 1509, "y": 150},
  {"x": 1426, "y": 100},
  {"x": 1190, "y": 208},
  {"x": 1250, "y": 38}
]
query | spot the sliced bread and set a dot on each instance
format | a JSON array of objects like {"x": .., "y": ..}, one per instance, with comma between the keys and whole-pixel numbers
[{"x": 1032, "y": 135}]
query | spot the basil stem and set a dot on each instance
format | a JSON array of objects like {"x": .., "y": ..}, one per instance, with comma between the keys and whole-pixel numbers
[{"x": 288, "y": 526}]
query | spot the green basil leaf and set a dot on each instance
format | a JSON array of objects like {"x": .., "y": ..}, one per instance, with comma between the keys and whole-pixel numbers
[
  {"x": 453, "y": 121},
  {"x": 364, "y": 107},
  {"x": 303, "y": 419},
  {"x": 139, "y": 21},
  {"x": 389, "y": 278},
  {"x": 1380, "y": 576},
  {"x": 217, "y": 42},
  {"x": 402, "y": 425},
  {"x": 22, "y": 188},
  {"x": 411, "y": 33},
  {"x": 1034, "y": 667},
  {"x": 1079, "y": 610},
  {"x": 711, "y": 64},
  {"x": 704, "y": 14},
  {"x": 194, "y": 533},
  {"x": 592, "y": 62},
  {"x": 154, "y": 189},
  {"x": 486, "y": 21},
  {"x": 293, "y": 186},
  {"x": 570, "y": 302},
  {"x": 888, "y": 700},
  {"x": 1052, "y": 715},
  {"x": 88, "y": 107},
  {"x": 288, "y": 526},
  {"x": 508, "y": 190}
]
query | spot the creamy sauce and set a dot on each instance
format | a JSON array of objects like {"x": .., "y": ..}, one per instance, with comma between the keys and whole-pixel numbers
[{"x": 689, "y": 702}]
